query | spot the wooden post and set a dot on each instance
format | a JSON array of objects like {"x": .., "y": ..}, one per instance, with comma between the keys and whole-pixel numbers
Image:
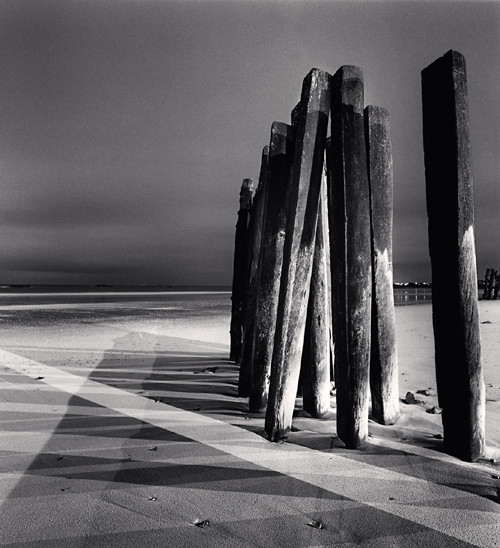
[
  {"x": 240, "y": 270},
  {"x": 255, "y": 236},
  {"x": 349, "y": 205},
  {"x": 315, "y": 366},
  {"x": 328, "y": 163},
  {"x": 450, "y": 209},
  {"x": 496, "y": 285},
  {"x": 271, "y": 259},
  {"x": 295, "y": 117},
  {"x": 486, "y": 284},
  {"x": 383, "y": 357},
  {"x": 298, "y": 252},
  {"x": 491, "y": 284}
]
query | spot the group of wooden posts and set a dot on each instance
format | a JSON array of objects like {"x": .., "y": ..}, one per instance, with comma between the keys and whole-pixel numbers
[
  {"x": 312, "y": 297},
  {"x": 491, "y": 290}
]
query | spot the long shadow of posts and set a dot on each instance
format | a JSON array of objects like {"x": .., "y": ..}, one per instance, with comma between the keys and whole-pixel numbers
[{"x": 93, "y": 443}]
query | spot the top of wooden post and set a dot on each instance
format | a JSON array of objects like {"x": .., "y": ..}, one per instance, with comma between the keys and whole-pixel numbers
[
  {"x": 377, "y": 115},
  {"x": 445, "y": 114},
  {"x": 451, "y": 57},
  {"x": 315, "y": 79},
  {"x": 350, "y": 82},
  {"x": 296, "y": 114},
  {"x": 263, "y": 166},
  {"x": 281, "y": 135},
  {"x": 246, "y": 194}
]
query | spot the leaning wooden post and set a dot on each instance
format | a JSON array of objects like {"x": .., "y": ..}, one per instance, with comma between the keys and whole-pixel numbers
[
  {"x": 240, "y": 270},
  {"x": 349, "y": 204},
  {"x": 383, "y": 357},
  {"x": 315, "y": 366},
  {"x": 271, "y": 259},
  {"x": 296, "y": 116},
  {"x": 255, "y": 236},
  {"x": 327, "y": 164},
  {"x": 450, "y": 211},
  {"x": 298, "y": 252}
]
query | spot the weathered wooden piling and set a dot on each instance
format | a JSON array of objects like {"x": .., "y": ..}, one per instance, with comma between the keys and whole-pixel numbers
[
  {"x": 298, "y": 252},
  {"x": 271, "y": 259},
  {"x": 383, "y": 356},
  {"x": 295, "y": 117},
  {"x": 450, "y": 210},
  {"x": 255, "y": 236},
  {"x": 349, "y": 206},
  {"x": 491, "y": 284},
  {"x": 487, "y": 283},
  {"x": 496, "y": 285},
  {"x": 315, "y": 365},
  {"x": 327, "y": 170},
  {"x": 238, "y": 294}
]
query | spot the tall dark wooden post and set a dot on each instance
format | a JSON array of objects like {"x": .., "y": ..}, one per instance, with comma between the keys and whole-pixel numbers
[
  {"x": 496, "y": 285},
  {"x": 298, "y": 252},
  {"x": 349, "y": 205},
  {"x": 271, "y": 259},
  {"x": 238, "y": 294},
  {"x": 383, "y": 356},
  {"x": 315, "y": 366},
  {"x": 450, "y": 209},
  {"x": 255, "y": 236},
  {"x": 491, "y": 284},
  {"x": 486, "y": 288}
]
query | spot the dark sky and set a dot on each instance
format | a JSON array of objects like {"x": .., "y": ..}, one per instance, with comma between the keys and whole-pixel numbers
[{"x": 126, "y": 127}]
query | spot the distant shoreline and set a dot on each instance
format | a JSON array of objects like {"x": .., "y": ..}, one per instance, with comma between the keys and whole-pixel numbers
[
  {"x": 111, "y": 293},
  {"x": 103, "y": 289},
  {"x": 38, "y": 294}
]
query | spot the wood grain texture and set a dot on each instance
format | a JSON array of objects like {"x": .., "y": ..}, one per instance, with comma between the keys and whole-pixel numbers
[
  {"x": 240, "y": 268},
  {"x": 298, "y": 252},
  {"x": 450, "y": 210},
  {"x": 349, "y": 205},
  {"x": 273, "y": 239},
  {"x": 316, "y": 355},
  {"x": 383, "y": 355},
  {"x": 254, "y": 244}
]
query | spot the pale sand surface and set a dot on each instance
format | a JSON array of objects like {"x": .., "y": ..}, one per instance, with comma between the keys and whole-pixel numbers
[{"x": 121, "y": 426}]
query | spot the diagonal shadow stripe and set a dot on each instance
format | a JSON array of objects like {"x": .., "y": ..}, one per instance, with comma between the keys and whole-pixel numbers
[{"x": 331, "y": 472}]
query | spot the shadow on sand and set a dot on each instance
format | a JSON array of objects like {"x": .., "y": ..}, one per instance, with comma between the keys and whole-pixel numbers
[{"x": 94, "y": 450}]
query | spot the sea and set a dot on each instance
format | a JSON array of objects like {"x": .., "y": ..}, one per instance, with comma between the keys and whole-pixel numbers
[
  {"x": 59, "y": 294},
  {"x": 412, "y": 295}
]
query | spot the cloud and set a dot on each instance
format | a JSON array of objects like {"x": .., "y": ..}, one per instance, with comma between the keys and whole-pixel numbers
[{"x": 81, "y": 203}]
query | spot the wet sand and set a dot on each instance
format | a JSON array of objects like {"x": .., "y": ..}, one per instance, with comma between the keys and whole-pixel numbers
[{"x": 121, "y": 426}]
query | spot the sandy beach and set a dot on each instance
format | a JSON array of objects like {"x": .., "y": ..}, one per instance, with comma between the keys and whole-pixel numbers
[{"x": 121, "y": 426}]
